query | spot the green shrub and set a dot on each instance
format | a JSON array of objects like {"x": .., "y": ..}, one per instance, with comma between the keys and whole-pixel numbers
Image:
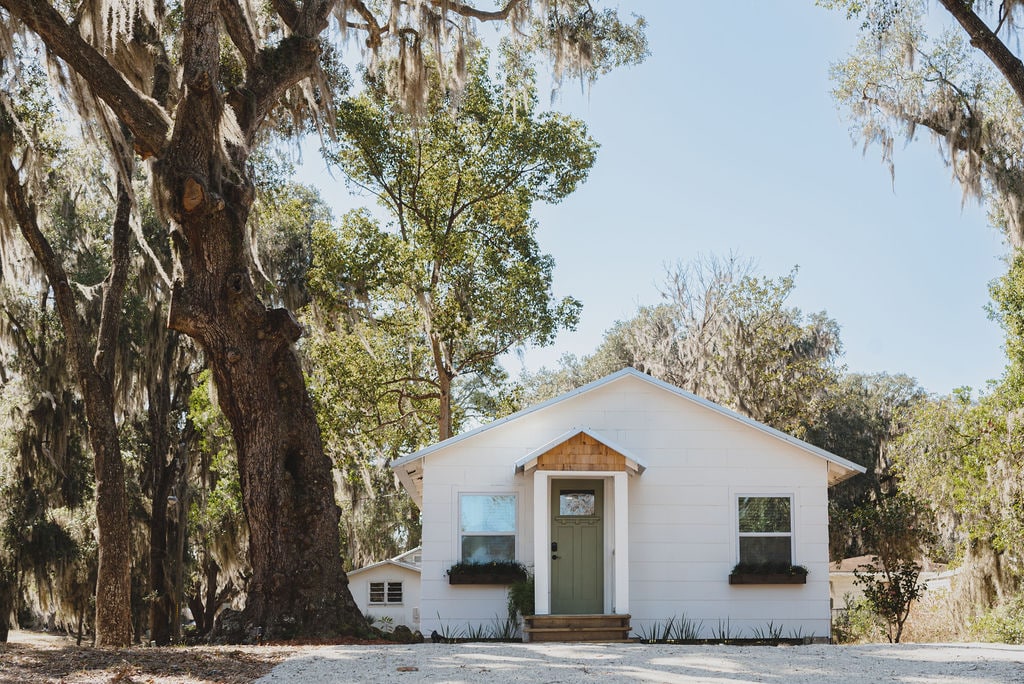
[
  {"x": 856, "y": 622},
  {"x": 521, "y": 597},
  {"x": 1004, "y": 623}
]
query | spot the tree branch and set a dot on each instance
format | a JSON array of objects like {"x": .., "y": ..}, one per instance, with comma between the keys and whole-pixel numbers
[
  {"x": 288, "y": 12},
  {"x": 474, "y": 13},
  {"x": 113, "y": 297},
  {"x": 983, "y": 38},
  {"x": 277, "y": 69},
  {"x": 372, "y": 27},
  {"x": 25, "y": 214},
  {"x": 145, "y": 118},
  {"x": 240, "y": 30}
]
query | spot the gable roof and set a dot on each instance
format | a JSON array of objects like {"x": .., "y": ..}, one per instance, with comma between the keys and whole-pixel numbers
[
  {"x": 408, "y": 467},
  {"x": 398, "y": 561},
  {"x": 633, "y": 462}
]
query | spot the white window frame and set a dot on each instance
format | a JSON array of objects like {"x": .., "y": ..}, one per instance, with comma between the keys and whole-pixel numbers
[
  {"x": 387, "y": 593},
  {"x": 792, "y": 521},
  {"x": 458, "y": 522}
]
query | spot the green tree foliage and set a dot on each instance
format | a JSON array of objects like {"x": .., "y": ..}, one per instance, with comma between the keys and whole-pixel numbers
[
  {"x": 897, "y": 530},
  {"x": 454, "y": 277},
  {"x": 901, "y": 80},
  {"x": 964, "y": 84},
  {"x": 964, "y": 457},
  {"x": 859, "y": 418}
]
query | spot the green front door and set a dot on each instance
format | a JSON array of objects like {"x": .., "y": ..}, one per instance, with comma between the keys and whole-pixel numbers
[{"x": 577, "y": 547}]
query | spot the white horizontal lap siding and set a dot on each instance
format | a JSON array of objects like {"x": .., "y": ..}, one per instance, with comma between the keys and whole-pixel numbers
[
  {"x": 682, "y": 525},
  {"x": 400, "y": 614},
  {"x": 682, "y": 529},
  {"x": 482, "y": 465}
]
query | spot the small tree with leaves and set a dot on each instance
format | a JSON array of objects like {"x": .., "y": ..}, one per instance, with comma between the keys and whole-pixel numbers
[{"x": 896, "y": 529}]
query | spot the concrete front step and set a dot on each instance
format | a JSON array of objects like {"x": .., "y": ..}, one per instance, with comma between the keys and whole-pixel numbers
[{"x": 577, "y": 627}]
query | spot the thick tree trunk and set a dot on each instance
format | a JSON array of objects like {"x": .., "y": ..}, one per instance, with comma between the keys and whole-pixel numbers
[
  {"x": 161, "y": 606},
  {"x": 96, "y": 380},
  {"x": 113, "y": 583},
  {"x": 298, "y": 587},
  {"x": 161, "y": 603}
]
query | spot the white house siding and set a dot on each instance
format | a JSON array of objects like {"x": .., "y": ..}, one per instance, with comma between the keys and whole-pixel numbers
[
  {"x": 682, "y": 510},
  {"x": 485, "y": 466},
  {"x": 406, "y": 613}
]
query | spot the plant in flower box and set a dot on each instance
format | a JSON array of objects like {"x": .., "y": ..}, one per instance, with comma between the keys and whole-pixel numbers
[
  {"x": 768, "y": 573},
  {"x": 493, "y": 572}
]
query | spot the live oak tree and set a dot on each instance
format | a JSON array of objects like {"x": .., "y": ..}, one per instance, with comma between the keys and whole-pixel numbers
[
  {"x": 68, "y": 224},
  {"x": 860, "y": 418},
  {"x": 964, "y": 454},
  {"x": 91, "y": 354},
  {"x": 191, "y": 87},
  {"x": 964, "y": 87}
]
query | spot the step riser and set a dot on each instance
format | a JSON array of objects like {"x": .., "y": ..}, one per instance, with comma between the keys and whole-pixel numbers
[
  {"x": 575, "y": 628},
  {"x": 569, "y": 624},
  {"x": 578, "y": 636}
]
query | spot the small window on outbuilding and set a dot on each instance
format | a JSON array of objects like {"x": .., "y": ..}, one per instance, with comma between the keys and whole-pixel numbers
[
  {"x": 765, "y": 529},
  {"x": 383, "y": 593}
]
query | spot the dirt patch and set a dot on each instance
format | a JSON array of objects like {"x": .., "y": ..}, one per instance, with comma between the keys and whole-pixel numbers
[{"x": 37, "y": 657}]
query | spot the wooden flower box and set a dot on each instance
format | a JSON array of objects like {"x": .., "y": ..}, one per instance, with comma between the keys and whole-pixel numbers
[
  {"x": 486, "y": 573},
  {"x": 489, "y": 578},
  {"x": 770, "y": 578}
]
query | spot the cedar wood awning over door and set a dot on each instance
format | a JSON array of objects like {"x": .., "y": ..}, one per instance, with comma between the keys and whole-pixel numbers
[{"x": 581, "y": 450}]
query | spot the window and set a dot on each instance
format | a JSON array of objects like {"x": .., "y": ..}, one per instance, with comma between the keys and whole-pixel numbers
[
  {"x": 577, "y": 502},
  {"x": 385, "y": 592},
  {"x": 487, "y": 527},
  {"x": 765, "y": 529}
]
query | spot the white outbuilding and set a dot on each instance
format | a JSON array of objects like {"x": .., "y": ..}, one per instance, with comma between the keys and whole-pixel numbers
[{"x": 389, "y": 591}]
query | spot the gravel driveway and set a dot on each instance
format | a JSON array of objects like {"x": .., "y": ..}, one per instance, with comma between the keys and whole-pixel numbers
[{"x": 478, "y": 663}]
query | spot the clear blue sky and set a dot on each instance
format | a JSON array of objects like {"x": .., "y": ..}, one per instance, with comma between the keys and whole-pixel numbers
[{"x": 727, "y": 139}]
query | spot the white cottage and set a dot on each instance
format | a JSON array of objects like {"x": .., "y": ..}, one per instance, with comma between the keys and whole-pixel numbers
[{"x": 632, "y": 498}]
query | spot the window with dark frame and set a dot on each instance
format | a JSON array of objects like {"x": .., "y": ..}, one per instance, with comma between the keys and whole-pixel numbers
[
  {"x": 384, "y": 593},
  {"x": 765, "y": 529}
]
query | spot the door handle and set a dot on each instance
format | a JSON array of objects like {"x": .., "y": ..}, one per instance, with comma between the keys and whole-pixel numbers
[{"x": 554, "y": 557}]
